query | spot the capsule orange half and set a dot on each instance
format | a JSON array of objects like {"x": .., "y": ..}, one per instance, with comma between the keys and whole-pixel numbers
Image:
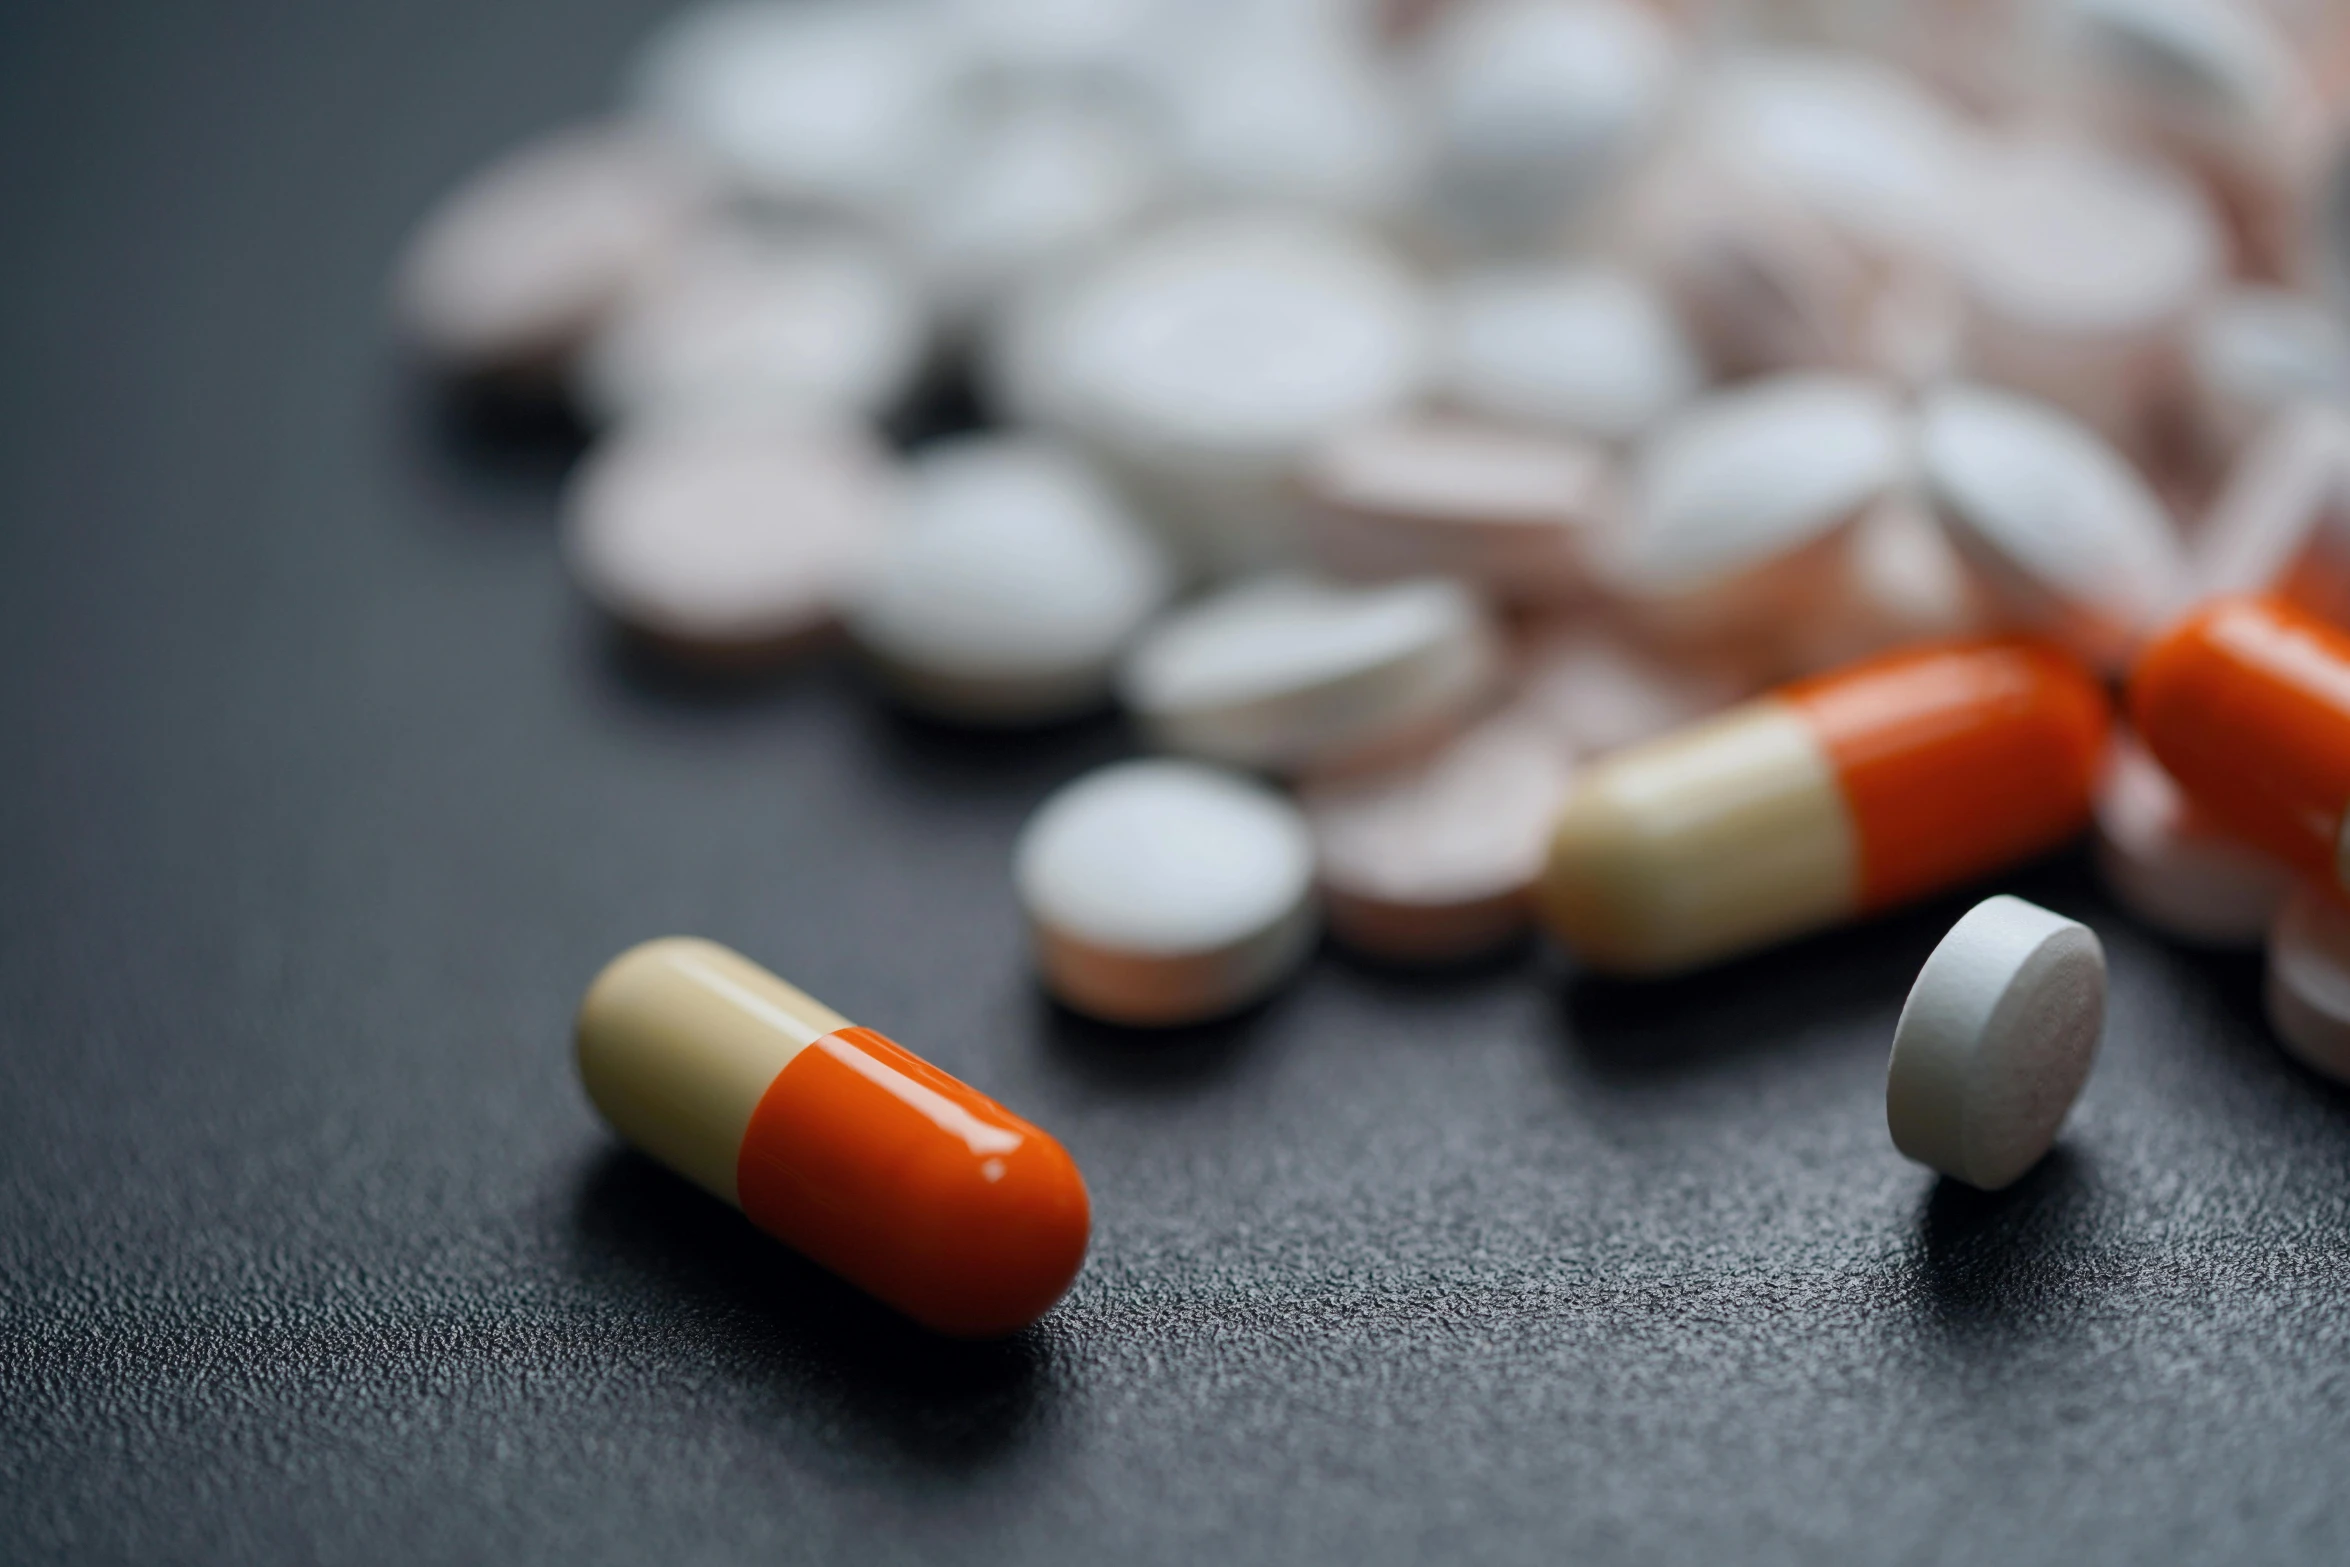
[
  {"x": 852, "y": 1150},
  {"x": 1833, "y": 797},
  {"x": 2246, "y": 703}
]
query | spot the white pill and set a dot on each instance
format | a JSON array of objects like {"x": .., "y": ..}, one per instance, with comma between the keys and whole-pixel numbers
[
  {"x": 1995, "y": 1041},
  {"x": 2064, "y": 532},
  {"x": 2207, "y": 70},
  {"x": 1286, "y": 673},
  {"x": 727, "y": 542},
  {"x": 1537, "y": 109},
  {"x": 839, "y": 105},
  {"x": 1165, "y": 892},
  {"x": 759, "y": 318},
  {"x": 514, "y": 269},
  {"x": 1733, "y": 500},
  {"x": 1593, "y": 692},
  {"x": 2255, "y": 352},
  {"x": 2281, "y": 521},
  {"x": 2174, "y": 870},
  {"x": 1203, "y": 360},
  {"x": 1013, "y": 585},
  {"x": 1437, "y": 860},
  {"x": 2308, "y": 989},
  {"x": 1587, "y": 350},
  {"x": 2080, "y": 270},
  {"x": 1418, "y": 496},
  {"x": 1035, "y": 184}
]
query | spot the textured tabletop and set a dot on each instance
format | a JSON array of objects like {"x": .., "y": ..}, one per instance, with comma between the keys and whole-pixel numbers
[{"x": 323, "y": 797}]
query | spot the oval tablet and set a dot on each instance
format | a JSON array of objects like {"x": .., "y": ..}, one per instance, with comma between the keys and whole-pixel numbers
[
  {"x": 1285, "y": 672},
  {"x": 1165, "y": 892},
  {"x": 1995, "y": 1041},
  {"x": 2308, "y": 985},
  {"x": 835, "y": 1140}
]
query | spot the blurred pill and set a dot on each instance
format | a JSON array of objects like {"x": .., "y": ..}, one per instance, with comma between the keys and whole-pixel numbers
[
  {"x": 1161, "y": 892},
  {"x": 1436, "y": 861},
  {"x": 840, "y": 106},
  {"x": 1995, "y": 1042},
  {"x": 1014, "y": 583},
  {"x": 2281, "y": 522},
  {"x": 1034, "y": 184},
  {"x": 1286, "y": 673},
  {"x": 514, "y": 269},
  {"x": 761, "y": 318},
  {"x": 1592, "y": 691},
  {"x": 727, "y": 542},
  {"x": 2080, "y": 270},
  {"x": 1420, "y": 496},
  {"x": 1536, "y": 110},
  {"x": 1734, "y": 501},
  {"x": 2308, "y": 987},
  {"x": 2063, "y": 531},
  {"x": 2173, "y": 868},
  {"x": 2257, "y": 351},
  {"x": 1107, "y": 50},
  {"x": 1829, "y": 799},
  {"x": 1589, "y": 351},
  {"x": 1203, "y": 360},
  {"x": 1898, "y": 579}
]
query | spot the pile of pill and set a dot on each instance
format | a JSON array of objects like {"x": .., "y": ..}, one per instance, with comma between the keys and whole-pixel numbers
[{"x": 1678, "y": 474}]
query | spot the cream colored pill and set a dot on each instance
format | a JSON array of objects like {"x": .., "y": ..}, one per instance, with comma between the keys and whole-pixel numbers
[
  {"x": 1014, "y": 583},
  {"x": 2308, "y": 988},
  {"x": 728, "y": 541},
  {"x": 1589, "y": 351},
  {"x": 2172, "y": 868},
  {"x": 1995, "y": 1042},
  {"x": 1287, "y": 673},
  {"x": 1437, "y": 860},
  {"x": 1164, "y": 892}
]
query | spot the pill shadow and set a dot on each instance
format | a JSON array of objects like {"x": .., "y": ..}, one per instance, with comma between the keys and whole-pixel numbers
[
  {"x": 1995, "y": 1260},
  {"x": 1411, "y": 978},
  {"x": 829, "y": 1358},
  {"x": 646, "y": 675},
  {"x": 1150, "y": 1062},
  {"x": 939, "y": 756},
  {"x": 483, "y": 427}
]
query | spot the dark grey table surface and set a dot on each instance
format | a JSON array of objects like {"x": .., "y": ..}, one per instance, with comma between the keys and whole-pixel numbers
[{"x": 322, "y": 797}]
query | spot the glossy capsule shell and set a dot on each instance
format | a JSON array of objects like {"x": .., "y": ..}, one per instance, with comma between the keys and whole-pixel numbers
[
  {"x": 2246, "y": 702},
  {"x": 1830, "y": 798},
  {"x": 845, "y": 1146}
]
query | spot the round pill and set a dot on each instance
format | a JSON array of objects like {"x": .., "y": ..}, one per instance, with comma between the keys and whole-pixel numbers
[
  {"x": 2172, "y": 867},
  {"x": 755, "y": 317},
  {"x": 1995, "y": 1041},
  {"x": 2308, "y": 988},
  {"x": 2063, "y": 530},
  {"x": 840, "y": 105},
  {"x": 520, "y": 264},
  {"x": 1586, "y": 350},
  {"x": 834, "y": 1139},
  {"x": 1286, "y": 673},
  {"x": 1436, "y": 861},
  {"x": 1416, "y": 496},
  {"x": 1014, "y": 583},
  {"x": 727, "y": 542},
  {"x": 1164, "y": 892}
]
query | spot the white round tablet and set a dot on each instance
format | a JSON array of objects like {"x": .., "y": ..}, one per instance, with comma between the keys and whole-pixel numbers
[
  {"x": 727, "y": 541},
  {"x": 1589, "y": 350},
  {"x": 1165, "y": 892},
  {"x": 1286, "y": 672},
  {"x": 1419, "y": 496},
  {"x": 1436, "y": 861},
  {"x": 2173, "y": 869},
  {"x": 2062, "y": 529},
  {"x": 1013, "y": 585},
  {"x": 515, "y": 268},
  {"x": 1753, "y": 475},
  {"x": 775, "y": 319},
  {"x": 1995, "y": 1041},
  {"x": 2308, "y": 990},
  {"x": 1537, "y": 108},
  {"x": 839, "y": 105}
]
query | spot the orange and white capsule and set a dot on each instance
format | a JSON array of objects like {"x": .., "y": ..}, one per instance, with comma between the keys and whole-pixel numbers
[
  {"x": 1830, "y": 798},
  {"x": 2247, "y": 703},
  {"x": 835, "y": 1140}
]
